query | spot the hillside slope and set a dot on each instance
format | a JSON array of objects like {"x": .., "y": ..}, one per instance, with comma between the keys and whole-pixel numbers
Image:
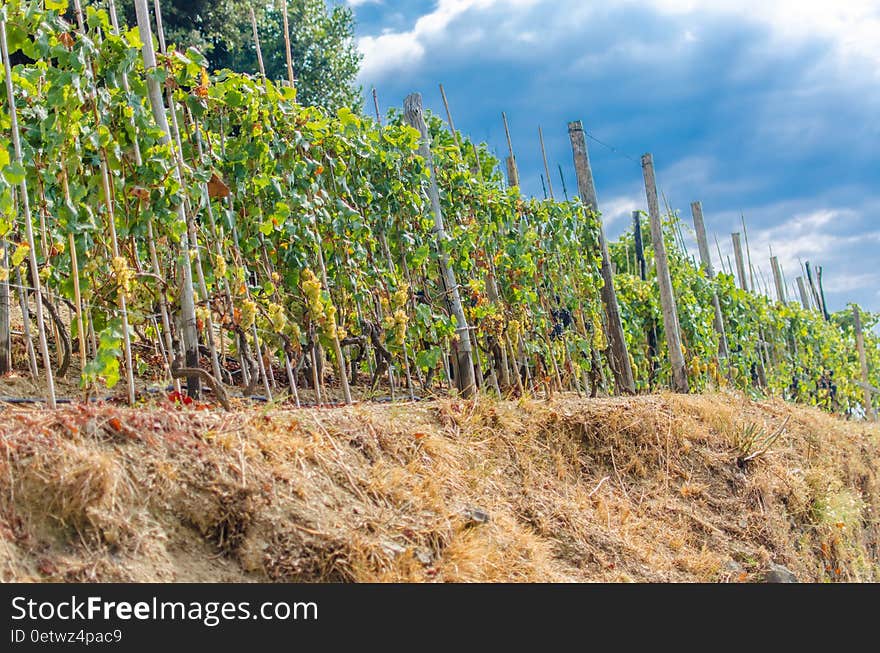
[{"x": 639, "y": 489}]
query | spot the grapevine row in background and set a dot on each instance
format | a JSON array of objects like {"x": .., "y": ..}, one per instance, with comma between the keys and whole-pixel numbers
[{"x": 309, "y": 243}]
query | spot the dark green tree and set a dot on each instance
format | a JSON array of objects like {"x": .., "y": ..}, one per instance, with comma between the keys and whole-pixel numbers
[{"x": 325, "y": 58}]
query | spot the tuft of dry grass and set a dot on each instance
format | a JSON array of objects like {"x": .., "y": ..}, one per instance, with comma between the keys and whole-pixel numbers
[{"x": 568, "y": 490}]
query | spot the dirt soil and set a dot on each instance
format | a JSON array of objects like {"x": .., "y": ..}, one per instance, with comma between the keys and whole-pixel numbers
[{"x": 638, "y": 489}]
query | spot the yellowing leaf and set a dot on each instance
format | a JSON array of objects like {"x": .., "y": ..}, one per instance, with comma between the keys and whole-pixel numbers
[{"x": 20, "y": 254}]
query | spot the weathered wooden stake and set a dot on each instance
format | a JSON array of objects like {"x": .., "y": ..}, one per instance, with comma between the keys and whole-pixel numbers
[
  {"x": 5, "y": 339},
  {"x": 189, "y": 332},
  {"x": 708, "y": 268},
  {"x": 643, "y": 275},
  {"x": 777, "y": 278},
  {"x": 414, "y": 116},
  {"x": 863, "y": 362},
  {"x": 664, "y": 281},
  {"x": 29, "y": 231},
  {"x": 111, "y": 223},
  {"x": 77, "y": 296},
  {"x": 620, "y": 361},
  {"x": 376, "y": 106},
  {"x": 26, "y": 324},
  {"x": 512, "y": 170},
  {"x": 257, "y": 45},
  {"x": 546, "y": 167},
  {"x": 740, "y": 261},
  {"x": 817, "y": 300},
  {"x": 449, "y": 119},
  {"x": 802, "y": 289},
  {"x": 287, "y": 51}
]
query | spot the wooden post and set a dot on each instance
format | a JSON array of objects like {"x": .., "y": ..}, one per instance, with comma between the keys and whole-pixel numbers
[
  {"x": 29, "y": 230},
  {"x": 477, "y": 162},
  {"x": 287, "y": 50},
  {"x": 449, "y": 120},
  {"x": 26, "y": 324},
  {"x": 80, "y": 324},
  {"x": 740, "y": 262},
  {"x": 546, "y": 167},
  {"x": 191, "y": 222},
  {"x": 257, "y": 45},
  {"x": 817, "y": 300},
  {"x": 863, "y": 362},
  {"x": 777, "y": 278},
  {"x": 189, "y": 333},
  {"x": 151, "y": 243},
  {"x": 620, "y": 361},
  {"x": 802, "y": 289},
  {"x": 664, "y": 281},
  {"x": 5, "y": 339},
  {"x": 111, "y": 223},
  {"x": 708, "y": 268},
  {"x": 643, "y": 275},
  {"x": 414, "y": 116},
  {"x": 376, "y": 106},
  {"x": 512, "y": 171}
]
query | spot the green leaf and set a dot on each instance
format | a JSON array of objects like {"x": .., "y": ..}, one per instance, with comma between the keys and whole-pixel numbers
[
  {"x": 56, "y": 5},
  {"x": 429, "y": 359},
  {"x": 234, "y": 99},
  {"x": 14, "y": 173}
]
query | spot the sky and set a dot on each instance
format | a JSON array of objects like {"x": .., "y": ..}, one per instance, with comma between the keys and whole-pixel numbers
[{"x": 762, "y": 108}]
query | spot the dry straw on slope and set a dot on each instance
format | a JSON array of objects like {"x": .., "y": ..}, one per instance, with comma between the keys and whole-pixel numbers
[{"x": 635, "y": 489}]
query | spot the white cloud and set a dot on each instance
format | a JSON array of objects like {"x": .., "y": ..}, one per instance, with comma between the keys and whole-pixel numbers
[
  {"x": 617, "y": 211},
  {"x": 846, "y": 284},
  {"x": 851, "y": 26},
  {"x": 391, "y": 51}
]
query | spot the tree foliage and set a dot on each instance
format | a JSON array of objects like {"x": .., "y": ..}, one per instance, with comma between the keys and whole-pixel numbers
[{"x": 325, "y": 57}]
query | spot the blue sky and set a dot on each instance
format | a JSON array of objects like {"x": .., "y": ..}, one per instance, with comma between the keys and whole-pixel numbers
[{"x": 769, "y": 107}]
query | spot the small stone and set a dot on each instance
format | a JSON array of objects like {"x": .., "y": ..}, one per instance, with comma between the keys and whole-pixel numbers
[
  {"x": 475, "y": 516},
  {"x": 780, "y": 574},
  {"x": 393, "y": 548},
  {"x": 424, "y": 556},
  {"x": 733, "y": 567}
]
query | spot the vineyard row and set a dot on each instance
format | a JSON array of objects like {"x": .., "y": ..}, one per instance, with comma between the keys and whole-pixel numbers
[{"x": 163, "y": 225}]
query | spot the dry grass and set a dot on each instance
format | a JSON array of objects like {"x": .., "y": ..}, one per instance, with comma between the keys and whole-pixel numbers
[{"x": 643, "y": 489}]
